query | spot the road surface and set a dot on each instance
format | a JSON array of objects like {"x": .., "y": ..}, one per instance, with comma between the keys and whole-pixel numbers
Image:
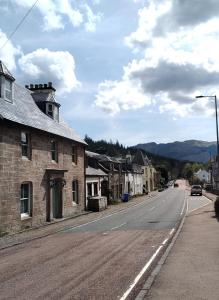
[{"x": 97, "y": 260}]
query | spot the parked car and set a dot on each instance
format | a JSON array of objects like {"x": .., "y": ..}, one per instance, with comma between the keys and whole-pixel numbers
[
  {"x": 196, "y": 190},
  {"x": 176, "y": 184}
]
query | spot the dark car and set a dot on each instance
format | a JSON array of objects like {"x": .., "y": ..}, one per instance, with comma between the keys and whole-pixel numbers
[
  {"x": 196, "y": 190},
  {"x": 176, "y": 184}
]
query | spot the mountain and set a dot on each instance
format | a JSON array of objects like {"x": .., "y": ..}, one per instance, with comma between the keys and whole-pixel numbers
[{"x": 191, "y": 150}]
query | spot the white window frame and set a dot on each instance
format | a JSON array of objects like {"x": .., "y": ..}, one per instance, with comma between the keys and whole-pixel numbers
[
  {"x": 75, "y": 193},
  {"x": 27, "y": 144},
  {"x": 28, "y": 213}
]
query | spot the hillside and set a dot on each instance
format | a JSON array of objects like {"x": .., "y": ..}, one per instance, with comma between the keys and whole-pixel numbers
[
  {"x": 171, "y": 166},
  {"x": 191, "y": 150}
]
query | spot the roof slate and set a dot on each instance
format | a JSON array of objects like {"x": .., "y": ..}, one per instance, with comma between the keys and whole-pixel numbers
[
  {"x": 94, "y": 172},
  {"x": 24, "y": 111}
]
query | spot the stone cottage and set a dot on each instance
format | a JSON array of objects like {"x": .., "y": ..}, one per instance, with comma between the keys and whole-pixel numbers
[{"x": 42, "y": 170}]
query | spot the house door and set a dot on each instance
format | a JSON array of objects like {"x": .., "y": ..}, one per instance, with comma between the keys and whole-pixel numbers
[
  {"x": 57, "y": 199},
  {"x": 104, "y": 188}
]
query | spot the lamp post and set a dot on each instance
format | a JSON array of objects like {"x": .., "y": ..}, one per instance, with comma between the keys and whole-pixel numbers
[{"x": 215, "y": 103}]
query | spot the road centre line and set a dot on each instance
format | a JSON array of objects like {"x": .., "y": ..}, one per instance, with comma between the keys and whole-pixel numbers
[
  {"x": 152, "y": 208},
  {"x": 115, "y": 213},
  {"x": 118, "y": 226}
]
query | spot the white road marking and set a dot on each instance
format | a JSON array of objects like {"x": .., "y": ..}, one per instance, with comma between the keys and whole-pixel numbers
[
  {"x": 183, "y": 207},
  {"x": 152, "y": 208},
  {"x": 125, "y": 295},
  {"x": 105, "y": 217},
  {"x": 172, "y": 231},
  {"x": 198, "y": 207},
  {"x": 164, "y": 242},
  {"x": 138, "y": 277},
  {"x": 118, "y": 226}
]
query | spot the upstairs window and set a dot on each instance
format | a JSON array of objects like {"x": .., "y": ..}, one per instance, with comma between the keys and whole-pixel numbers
[
  {"x": 25, "y": 145},
  {"x": 74, "y": 154},
  {"x": 49, "y": 110},
  {"x": 52, "y": 111},
  {"x": 8, "y": 90},
  {"x": 25, "y": 199},
  {"x": 54, "y": 151},
  {"x": 75, "y": 195}
]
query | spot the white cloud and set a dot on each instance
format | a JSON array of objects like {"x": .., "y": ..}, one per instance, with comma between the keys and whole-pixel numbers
[
  {"x": 92, "y": 19},
  {"x": 114, "y": 96},
  {"x": 8, "y": 52},
  {"x": 55, "y": 12},
  {"x": 179, "y": 58},
  {"x": 56, "y": 66}
]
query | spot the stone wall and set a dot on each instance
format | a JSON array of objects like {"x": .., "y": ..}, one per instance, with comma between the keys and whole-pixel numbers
[{"x": 14, "y": 170}]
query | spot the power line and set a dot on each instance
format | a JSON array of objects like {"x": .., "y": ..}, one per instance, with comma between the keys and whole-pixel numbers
[{"x": 19, "y": 24}]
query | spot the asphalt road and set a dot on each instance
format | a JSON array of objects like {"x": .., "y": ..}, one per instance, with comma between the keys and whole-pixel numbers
[{"x": 97, "y": 260}]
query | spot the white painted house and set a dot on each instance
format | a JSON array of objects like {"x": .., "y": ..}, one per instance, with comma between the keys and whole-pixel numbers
[{"x": 203, "y": 175}]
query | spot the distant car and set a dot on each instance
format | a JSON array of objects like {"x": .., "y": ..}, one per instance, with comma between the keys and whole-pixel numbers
[
  {"x": 196, "y": 190},
  {"x": 176, "y": 184},
  {"x": 161, "y": 189}
]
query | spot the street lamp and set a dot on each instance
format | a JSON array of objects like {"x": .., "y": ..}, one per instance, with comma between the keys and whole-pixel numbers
[{"x": 215, "y": 102}]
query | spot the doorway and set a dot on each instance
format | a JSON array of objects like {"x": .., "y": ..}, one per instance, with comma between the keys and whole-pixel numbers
[{"x": 57, "y": 199}]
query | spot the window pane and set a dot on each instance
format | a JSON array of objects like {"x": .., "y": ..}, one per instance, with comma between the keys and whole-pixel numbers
[
  {"x": 95, "y": 189},
  {"x": 75, "y": 191},
  {"x": 24, "y": 200},
  {"x": 8, "y": 85}
]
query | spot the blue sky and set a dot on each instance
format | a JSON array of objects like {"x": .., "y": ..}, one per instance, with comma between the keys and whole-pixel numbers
[{"x": 123, "y": 69}]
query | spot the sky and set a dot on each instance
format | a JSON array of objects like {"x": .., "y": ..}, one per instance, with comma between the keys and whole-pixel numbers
[{"x": 126, "y": 70}]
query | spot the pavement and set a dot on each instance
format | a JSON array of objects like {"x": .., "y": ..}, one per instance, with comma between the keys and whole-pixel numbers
[{"x": 191, "y": 268}]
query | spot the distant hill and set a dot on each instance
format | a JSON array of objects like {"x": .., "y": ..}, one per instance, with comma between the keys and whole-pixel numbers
[{"x": 191, "y": 150}]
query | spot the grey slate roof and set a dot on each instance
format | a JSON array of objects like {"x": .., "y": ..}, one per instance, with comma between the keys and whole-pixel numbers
[
  {"x": 140, "y": 160},
  {"x": 24, "y": 111},
  {"x": 94, "y": 172}
]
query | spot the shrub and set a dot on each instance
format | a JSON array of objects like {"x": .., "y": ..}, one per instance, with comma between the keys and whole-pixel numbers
[{"x": 216, "y": 207}]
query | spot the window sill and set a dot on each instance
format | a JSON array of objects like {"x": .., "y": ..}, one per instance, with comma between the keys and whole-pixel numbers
[
  {"x": 74, "y": 203},
  {"x": 25, "y": 158},
  {"x": 25, "y": 217}
]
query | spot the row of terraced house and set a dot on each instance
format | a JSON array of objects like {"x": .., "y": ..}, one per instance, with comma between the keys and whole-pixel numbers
[{"x": 45, "y": 171}]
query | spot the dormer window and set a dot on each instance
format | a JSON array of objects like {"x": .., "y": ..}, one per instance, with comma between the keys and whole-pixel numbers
[
  {"x": 52, "y": 111},
  {"x": 6, "y": 83},
  {"x": 8, "y": 90}
]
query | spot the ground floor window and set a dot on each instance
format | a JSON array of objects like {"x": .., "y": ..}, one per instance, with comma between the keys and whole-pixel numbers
[
  {"x": 75, "y": 194},
  {"x": 95, "y": 189},
  {"x": 25, "y": 199},
  {"x": 89, "y": 189}
]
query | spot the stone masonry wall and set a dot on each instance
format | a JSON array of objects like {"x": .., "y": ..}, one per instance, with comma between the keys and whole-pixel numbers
[{"x": 14, "y": 170}]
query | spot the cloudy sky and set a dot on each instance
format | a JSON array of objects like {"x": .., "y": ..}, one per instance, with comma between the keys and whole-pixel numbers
[{"x": 123, "y": 69}]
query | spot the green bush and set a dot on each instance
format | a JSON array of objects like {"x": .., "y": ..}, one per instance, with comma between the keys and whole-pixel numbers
[{"x": 216, "y": 207}]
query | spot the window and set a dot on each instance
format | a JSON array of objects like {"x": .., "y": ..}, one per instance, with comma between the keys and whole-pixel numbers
[
  {"x": 75, "y": 196},
  {"x": 52, "y": 111},
  {"x": 25, "y": 199},
  {"x": 95, "y": 189},
  {"x": 25, "y": 145},
  {"x": 54, "y": 151},
  {"x": 74, "y": 154},
  {"x": 8, "y": 90},
  {"x": 49, "y": 110},
  {"x": 89, "y": 189}
]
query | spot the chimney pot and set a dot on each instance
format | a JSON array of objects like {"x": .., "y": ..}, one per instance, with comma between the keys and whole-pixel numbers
[
  {"x": 31, "y": 86},
  {"x": 50, "y": 84},
  {"x": 36, "y": 86},
  {"x": 27, "y": 86},
  {"x": 40, "y": 86},
  {"x": 45, "y": 85}
]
